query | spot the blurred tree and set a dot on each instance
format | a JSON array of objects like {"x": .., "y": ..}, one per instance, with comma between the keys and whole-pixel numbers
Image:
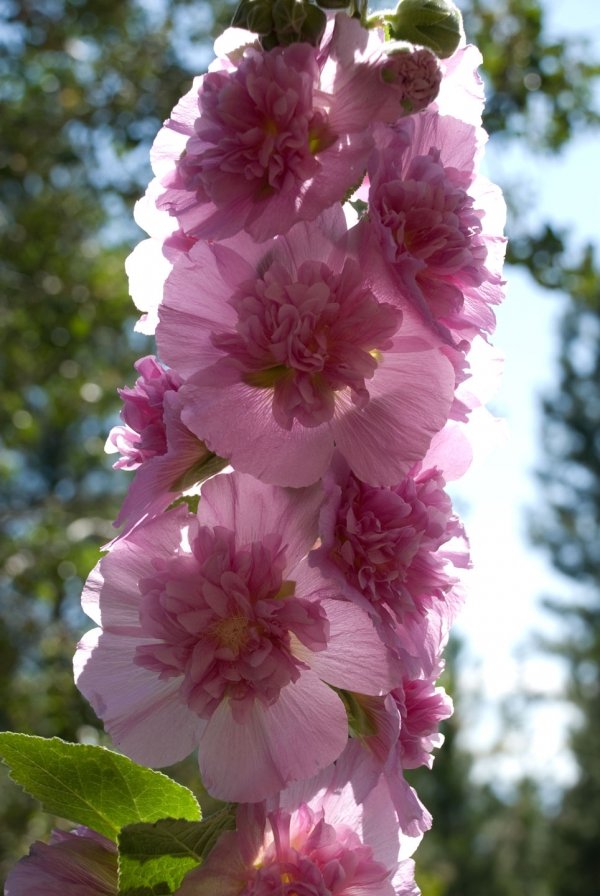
[
  {"x": 84, "y": 85},
  {"x": 568, "y": 525},
  {"x": 480, "y": 842}
]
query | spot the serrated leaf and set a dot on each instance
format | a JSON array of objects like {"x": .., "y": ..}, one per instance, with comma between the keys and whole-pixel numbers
[
  {"x": 154, "y": 858},
  {"x": 93, "y": 786}
]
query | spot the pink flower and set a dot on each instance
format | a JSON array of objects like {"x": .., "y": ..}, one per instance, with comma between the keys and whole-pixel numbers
[
  {"x": 438, "y": 223},
  {"x": 395, "y": 733},
  {"x": 215, "y": 634},
  {"x": 142, "y": 434},
  {"x": 384, "y": 545},
  {"x": 289, "y": 340},
  {"x": 167, "y": 457},
  {"x": 317, "y": 838},
  {"x": 72, "y": 863},
  {"x": 266, "y": 139},
  {"x": 422, "y": 707}
]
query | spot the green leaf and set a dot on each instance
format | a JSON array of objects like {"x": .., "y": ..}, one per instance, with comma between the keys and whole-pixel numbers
[
  {"x": 154, "y": 858},
  {"x": 92, "y": 785}
]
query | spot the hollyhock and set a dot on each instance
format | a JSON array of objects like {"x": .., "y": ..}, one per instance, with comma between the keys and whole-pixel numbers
[
  {"x": 438, "y": 223},
  {"x": 290, "y": 341},
  {"x": 167, "y": 457},
  {"x": 216, "y": 634},
  {"x": 422, "y": 707},
  {"x": 394, "y": 733},
  {"x": 316, "y": 838},
  {"x": 142, "y": 433},
  {"x": 384, "y": 545},
  {"x": 268, "y": 138},
  {"x": 72, "y": 863}
]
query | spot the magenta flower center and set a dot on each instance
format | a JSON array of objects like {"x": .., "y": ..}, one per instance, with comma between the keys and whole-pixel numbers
[
  {"x": 306, "y": 856},
  {"x": 307, "y": 337},
  {"x": 225, "y": 621},
  {"x": 257, "y": 132}
]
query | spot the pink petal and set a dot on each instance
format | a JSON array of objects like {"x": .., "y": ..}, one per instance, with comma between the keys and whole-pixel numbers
[
  {"x": 355, "y": 658},
  {"x": 252, "y": 510},
  {"x": 145, "y": 717},
  {"x": 256, "y": 444},
  {"x": 303, "y": 731}
]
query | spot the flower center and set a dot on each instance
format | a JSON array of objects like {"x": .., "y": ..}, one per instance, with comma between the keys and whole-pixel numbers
[
  {"x": 258, "y": 130},
  {"x": 308, "y": 336},
  {"x": 232, "y": 633},
  {"x": 303, "y": 855},
  {"x": 221, "y": 619}
]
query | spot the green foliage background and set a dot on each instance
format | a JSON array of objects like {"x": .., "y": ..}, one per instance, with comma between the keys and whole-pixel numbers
[{"x": 84, "y": 86}]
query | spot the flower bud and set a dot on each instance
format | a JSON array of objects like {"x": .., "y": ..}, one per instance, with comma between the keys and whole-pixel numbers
[
  {"x": 333, "y": 4},
  {"x": 436, "y": 24},
  {"x": 297, "y": 20},
  {"x": 255, "y": 15}
]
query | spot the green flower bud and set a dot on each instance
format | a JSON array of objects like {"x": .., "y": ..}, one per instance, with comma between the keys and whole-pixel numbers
[
  {"x": 334, "y": 4},
  {"x": 255, "y": 15},
  {"x": 298, "y": 20},
  {"x": 435, "y": 24},
  {"x": 313, "y": 27}
]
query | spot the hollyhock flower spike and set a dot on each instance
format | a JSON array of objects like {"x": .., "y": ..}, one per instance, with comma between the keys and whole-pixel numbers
[
  {"x": 215, "y": 634},
  {"x": 72, "y": 863},
  {"x": 269, "y": 138},
  {"x": 315, "y": 838},
  {"x": 167, "y": 457},
  {"x": 290, "y": 341}
]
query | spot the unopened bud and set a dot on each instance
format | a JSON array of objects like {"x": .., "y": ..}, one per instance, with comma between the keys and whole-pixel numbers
[
  {"x": 333, "y": 4},
  {"x": 314, "y": 25},
  {"x": 255, "y": 15},
  {"x": 436, "y": 24},
  {"x": 298, "y": 20},
  {"x": 413, "y": 74}
]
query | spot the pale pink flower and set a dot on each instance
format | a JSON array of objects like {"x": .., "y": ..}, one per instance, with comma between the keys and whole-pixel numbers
[
  {"x": 438, "y": 223},
  {"x": 385, "y": 546},
  {"x": 269, "y": 138},
  {"x": 142, "y": 434},
  {"x": 216, "y": 635},
  {"x": 167, "y": 457},
  {"x": 395, "y": 733},
  {"x": 316, "y": 838},
  {"x": 422, "y": 707},
  {"x": 72, "y": 863},
  {"x": 162, "y": 479},
  {"x": 287, "y": 350}
]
